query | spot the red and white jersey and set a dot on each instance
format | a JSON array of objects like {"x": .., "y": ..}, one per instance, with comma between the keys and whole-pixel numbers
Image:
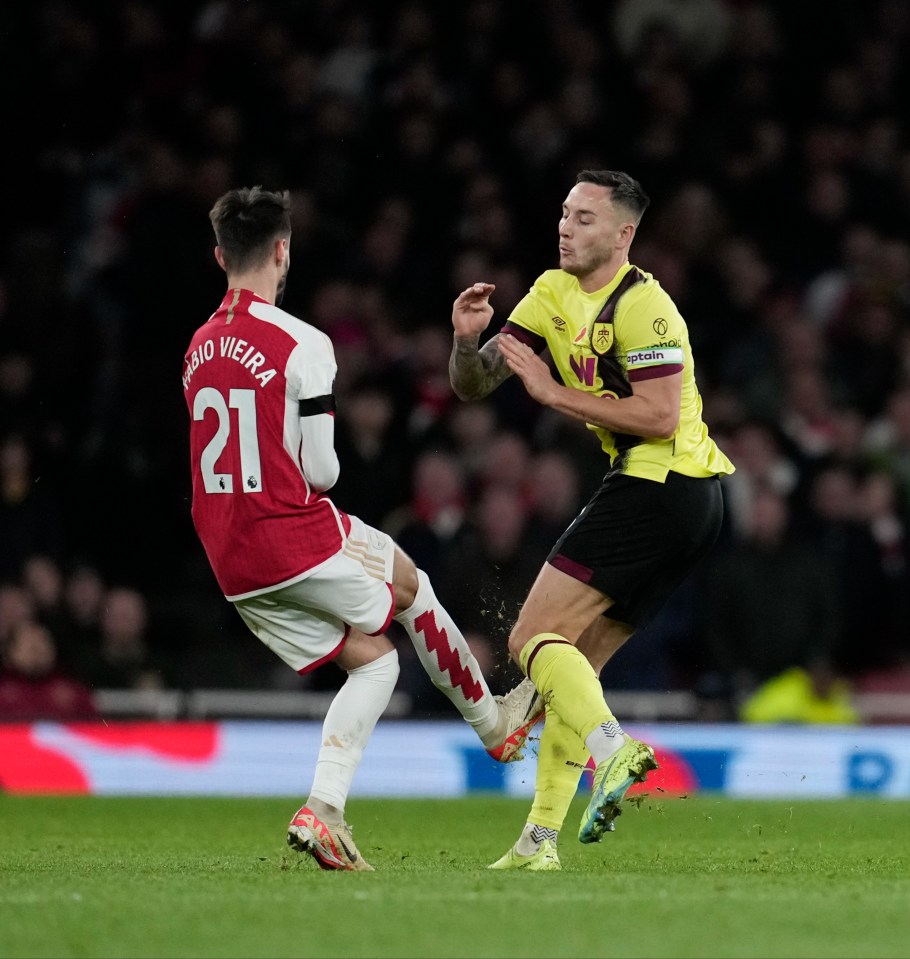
[{"x": 262, "y": 522}]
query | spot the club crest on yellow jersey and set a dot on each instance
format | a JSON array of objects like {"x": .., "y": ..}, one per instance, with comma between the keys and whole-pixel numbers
[{"x": 601, "y": 338}]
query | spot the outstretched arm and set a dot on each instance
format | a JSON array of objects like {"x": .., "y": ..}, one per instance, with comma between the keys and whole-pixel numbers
[{"x": 474, "y": 373}]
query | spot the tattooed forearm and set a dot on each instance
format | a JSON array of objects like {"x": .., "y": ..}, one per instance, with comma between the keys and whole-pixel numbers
[{"x": 475, "y": 373}]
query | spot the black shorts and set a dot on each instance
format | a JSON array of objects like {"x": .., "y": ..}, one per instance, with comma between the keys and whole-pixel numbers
[{"x": 637, "y": 539}]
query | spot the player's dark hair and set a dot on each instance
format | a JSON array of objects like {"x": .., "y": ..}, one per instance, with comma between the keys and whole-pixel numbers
[
  {"x": 626, "y": 191},
  {"x": 247, "y": 221}
]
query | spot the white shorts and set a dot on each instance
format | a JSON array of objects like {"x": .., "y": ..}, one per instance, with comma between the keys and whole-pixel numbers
[{"x": 307, "y": 622}]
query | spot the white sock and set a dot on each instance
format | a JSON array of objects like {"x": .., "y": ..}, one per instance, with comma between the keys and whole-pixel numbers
[
  {"x": 532, "y": 836},
  {"x": 348, "y": 724},
  {"x": 448, "y": 659},
  {"x": 604, "y": 740}
]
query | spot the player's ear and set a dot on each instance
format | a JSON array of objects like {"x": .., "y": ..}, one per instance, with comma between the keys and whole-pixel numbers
[
  {"x": 219, "y": 256},
  {"x": 282, "y": 249}
]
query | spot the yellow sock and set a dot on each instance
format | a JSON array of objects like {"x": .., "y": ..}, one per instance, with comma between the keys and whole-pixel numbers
[
  {"x": 561, "y": 759},
  {"x": 567, "y": 682}
]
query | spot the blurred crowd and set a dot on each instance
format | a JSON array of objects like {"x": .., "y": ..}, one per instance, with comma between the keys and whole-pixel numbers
[{"x": 429, "y": 145}]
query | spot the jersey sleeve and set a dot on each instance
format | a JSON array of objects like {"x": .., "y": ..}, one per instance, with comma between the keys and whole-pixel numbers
[
  {"x": 314, "y": 383},
  {"x": 526, "y": 321},
  {"x": 318, "y": 458},
  {"x": 650, "y": 333}
]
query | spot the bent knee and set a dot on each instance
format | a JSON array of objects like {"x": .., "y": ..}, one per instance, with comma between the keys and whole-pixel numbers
[{"x": 361, "y": 650}]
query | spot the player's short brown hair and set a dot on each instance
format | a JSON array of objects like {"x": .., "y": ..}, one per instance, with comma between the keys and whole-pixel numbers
[
  {"x": 247, "y": 221},
  {"x": 626, "y": 191}
]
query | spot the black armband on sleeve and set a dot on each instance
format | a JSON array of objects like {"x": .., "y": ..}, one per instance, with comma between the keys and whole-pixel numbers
[{"x": 314, "y": 405}]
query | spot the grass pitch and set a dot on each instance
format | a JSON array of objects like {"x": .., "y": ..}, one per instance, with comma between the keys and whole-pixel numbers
[{"x": 212, "y": 877}]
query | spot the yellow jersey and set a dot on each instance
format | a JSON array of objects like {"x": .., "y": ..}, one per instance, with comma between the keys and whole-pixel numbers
[{"x": 602, "y": 342}]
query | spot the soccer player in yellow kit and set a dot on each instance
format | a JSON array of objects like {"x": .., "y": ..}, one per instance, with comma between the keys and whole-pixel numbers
[{"x": 622, "y": 351}]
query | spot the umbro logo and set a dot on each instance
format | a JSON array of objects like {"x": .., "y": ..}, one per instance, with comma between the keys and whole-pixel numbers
[{"x": 559, "y": 323}]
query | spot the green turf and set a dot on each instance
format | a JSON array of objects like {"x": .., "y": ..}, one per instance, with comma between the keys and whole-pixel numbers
[{"x": 212, "y": 877}]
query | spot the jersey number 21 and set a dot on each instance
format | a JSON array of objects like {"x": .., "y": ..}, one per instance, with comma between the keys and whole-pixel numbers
[{"x": 244, "y": 401}]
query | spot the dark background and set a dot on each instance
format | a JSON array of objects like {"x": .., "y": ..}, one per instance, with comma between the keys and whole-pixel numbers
[{"x": 429, "y": 145}]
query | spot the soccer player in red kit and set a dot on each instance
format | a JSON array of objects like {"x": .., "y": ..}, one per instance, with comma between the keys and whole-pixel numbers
[{"x": 310, "y": 581}]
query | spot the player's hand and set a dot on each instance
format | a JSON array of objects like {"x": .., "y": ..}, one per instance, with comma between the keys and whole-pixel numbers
[
  {"x": 471, "y": 312},
  {"x": 530, "y": 368}
]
